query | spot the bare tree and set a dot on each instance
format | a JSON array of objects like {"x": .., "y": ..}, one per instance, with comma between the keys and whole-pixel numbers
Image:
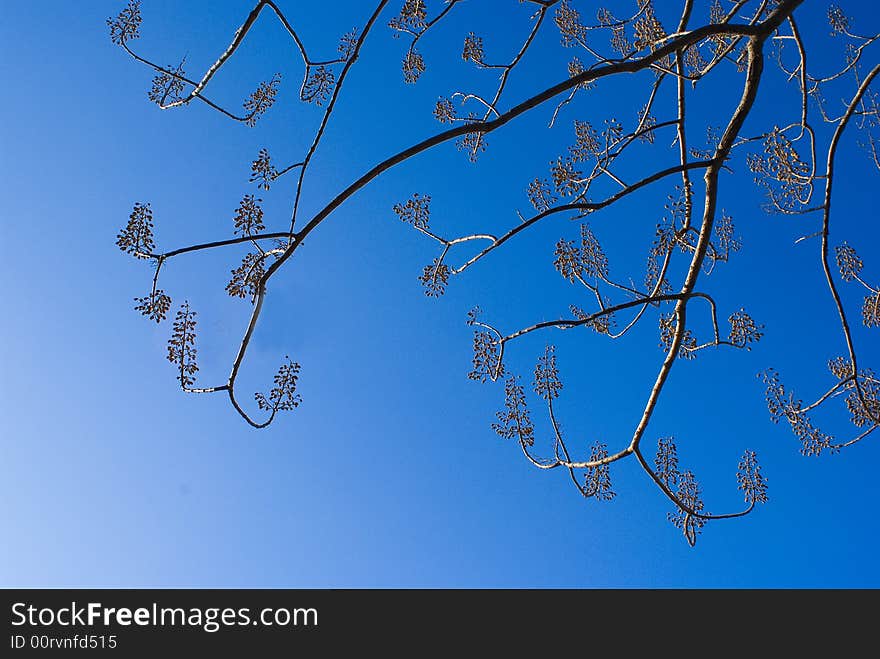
[{"x": 759, "y": 47}]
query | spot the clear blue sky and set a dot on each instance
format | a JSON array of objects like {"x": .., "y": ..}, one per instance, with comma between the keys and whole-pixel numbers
[{"x": 389, "y": 474}]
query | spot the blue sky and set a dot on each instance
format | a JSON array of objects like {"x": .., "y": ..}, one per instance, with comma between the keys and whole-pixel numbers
[{"x": 389, "y": 473}]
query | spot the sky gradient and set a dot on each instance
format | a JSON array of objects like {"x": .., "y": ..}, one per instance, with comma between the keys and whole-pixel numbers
[{"x": 389, "y": 473}]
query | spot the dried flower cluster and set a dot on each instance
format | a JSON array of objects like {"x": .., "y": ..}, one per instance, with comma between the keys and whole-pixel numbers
[
  {"x": 415, "y": 211},
  {"x": 168, "y": 85},
  {"x": 262, "y": 99},
  {"x": 584, "y": 260},
  {"x": 248, "y": 217},
  {"x": 126, "y": 25},
  {"x": 181, "y": 346},
  {"x": 136, "y": 238},
  {"x": 319, "y": 85},
  {"x": 283, "y": 396},
  {"x": 154, "y": 306},
  {"x": 263, "y": 172},
  {"x": 514, "y": 422},
  {"x": 435, "y": 277},
  {"x": 487, "y": 363}
]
